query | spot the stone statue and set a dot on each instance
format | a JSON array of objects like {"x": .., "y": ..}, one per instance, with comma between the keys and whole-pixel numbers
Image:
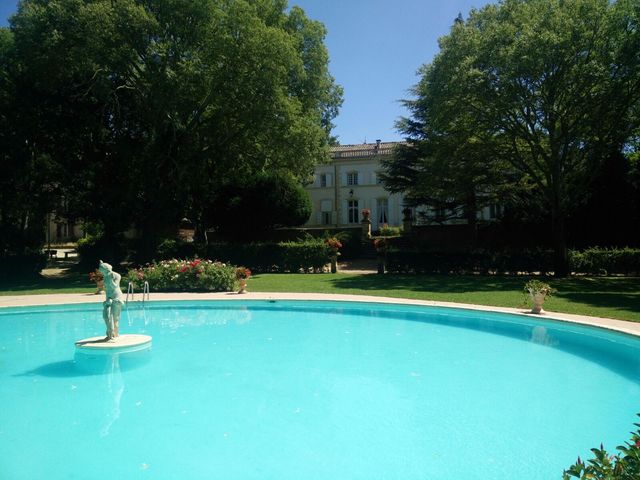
[{"x": 112, "y": 306}]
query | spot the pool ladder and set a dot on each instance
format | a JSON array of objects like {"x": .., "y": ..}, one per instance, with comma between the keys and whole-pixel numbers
[{"x": 130, "y": 291}]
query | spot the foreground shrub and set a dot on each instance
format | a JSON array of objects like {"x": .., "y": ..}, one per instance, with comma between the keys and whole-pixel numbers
[
  {"x": 185, "y": 276},
  {"x": 622, "y": 466}
]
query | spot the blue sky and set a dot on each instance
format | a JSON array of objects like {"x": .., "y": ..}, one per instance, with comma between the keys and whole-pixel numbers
[{"x": 375, "y": 47}]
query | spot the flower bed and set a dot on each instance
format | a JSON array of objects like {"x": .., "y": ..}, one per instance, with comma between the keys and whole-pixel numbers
[{"x": 185, "y": 275}]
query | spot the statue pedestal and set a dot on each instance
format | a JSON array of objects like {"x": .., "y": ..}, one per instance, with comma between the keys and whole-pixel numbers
[{"x": 123, "y": 343}]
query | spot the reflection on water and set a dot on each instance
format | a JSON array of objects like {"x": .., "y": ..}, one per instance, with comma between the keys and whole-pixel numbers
[
  {"x": 175, "y": 318},
  {"x": 540, "y": 335},
  {"x": 111, "y": 365}
]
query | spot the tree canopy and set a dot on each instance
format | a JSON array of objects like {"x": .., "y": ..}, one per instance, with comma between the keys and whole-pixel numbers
[
  {"x": 247, "y": 208},
  {"x": 539, "y": 92},
  {"x": 145, "y": 107}
]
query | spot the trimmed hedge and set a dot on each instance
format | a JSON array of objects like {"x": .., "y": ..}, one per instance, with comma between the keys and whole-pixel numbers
[
  {"x": 482, "y": 261},
  {"x": 593, "y": 261},
  {"x": 606, "y": 261},
  {"x": 310, "y": 255}
]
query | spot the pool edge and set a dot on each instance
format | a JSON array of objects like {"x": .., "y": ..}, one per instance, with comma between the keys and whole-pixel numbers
[{"x": 622, "y": 326}]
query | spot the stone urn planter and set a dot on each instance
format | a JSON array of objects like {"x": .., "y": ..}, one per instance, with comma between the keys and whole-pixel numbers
[
  {"x": 242, "y": 275},
  {"x": 98, "y": 279},
  {"x": 334, "y": 263},
  {"x": 538, "y": 292},
  {"x": 380, "y": 244},
  {"x": 334, "y": 246}
]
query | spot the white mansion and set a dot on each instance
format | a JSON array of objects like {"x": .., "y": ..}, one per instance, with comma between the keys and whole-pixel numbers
[{"x": 350, "y": 183}]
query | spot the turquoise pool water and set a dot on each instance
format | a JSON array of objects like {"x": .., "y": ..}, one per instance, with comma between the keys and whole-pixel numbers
[{"x": 309, "y": 390}]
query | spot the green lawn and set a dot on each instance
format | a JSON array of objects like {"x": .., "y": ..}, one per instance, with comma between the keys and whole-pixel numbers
[{"x": 613, "y": 297}]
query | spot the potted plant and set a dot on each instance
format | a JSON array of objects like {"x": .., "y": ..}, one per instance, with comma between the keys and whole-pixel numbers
[
  {"x": 334, "y": 245},
  {"x": 242, "y": 274},
  {"x": 98, "y": 279},
  {"x": 538, "y": 291},
  {"x": 381, "y": 245}
]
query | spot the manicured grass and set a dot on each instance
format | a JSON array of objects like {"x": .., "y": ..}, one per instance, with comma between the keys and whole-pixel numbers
[{"x": 612, "y": 297}]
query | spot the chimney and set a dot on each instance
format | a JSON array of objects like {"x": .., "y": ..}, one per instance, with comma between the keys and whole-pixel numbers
[{"x": 378, "y": 144}]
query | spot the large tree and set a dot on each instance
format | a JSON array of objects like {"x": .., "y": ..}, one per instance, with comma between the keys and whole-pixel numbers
[
  {"x": 147, "y": 106},
  {"x": 549, "y": 86},
  {"x": 248, "y": 208}
]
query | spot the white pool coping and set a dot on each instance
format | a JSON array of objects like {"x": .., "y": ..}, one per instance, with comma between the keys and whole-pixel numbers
[{"x": 623, "y": 326}]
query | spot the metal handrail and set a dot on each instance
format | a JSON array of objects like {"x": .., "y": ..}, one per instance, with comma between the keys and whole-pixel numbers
[
  {"x": 145, "y": 291},
  {"x": 130, "y": 291}
]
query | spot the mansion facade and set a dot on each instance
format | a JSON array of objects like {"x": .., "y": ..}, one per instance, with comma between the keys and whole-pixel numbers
[{"x": 350, "y": 183}]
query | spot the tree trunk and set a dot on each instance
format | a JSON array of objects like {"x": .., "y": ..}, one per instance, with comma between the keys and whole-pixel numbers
[
  {"x": 471, "y": 212},
  {"x": 561, "y": 255}
]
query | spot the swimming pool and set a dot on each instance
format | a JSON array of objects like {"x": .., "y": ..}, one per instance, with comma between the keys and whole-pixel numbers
[{"x": 309, "y": 390}]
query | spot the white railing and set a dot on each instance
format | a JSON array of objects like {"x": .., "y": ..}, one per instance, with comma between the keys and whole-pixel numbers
[
  {"x": 131, "y": 291},
  {"x": 145, "y": 291}
]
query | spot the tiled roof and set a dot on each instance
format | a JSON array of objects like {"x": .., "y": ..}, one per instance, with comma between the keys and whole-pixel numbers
[{"x": 363, "y": 149}]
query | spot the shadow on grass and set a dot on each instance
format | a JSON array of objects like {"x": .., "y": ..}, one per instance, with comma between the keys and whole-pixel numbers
[
  {"x": 622, "y": 293},
  {"x": 429, "y": 283},
  {"x": 71, "y": 280}
]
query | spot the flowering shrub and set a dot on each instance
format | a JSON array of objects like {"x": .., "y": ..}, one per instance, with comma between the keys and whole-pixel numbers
[
  {"x": 623, "y": 466},
  {"x": 185, "y": 275}
]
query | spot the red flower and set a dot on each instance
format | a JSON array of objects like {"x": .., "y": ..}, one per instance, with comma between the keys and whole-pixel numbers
[
  {"x": 638, "y": 443},
  {"x": 242, "y": 273},
  {"x": 334, "y": 243},
  {"x": 184, "y": 268}
]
